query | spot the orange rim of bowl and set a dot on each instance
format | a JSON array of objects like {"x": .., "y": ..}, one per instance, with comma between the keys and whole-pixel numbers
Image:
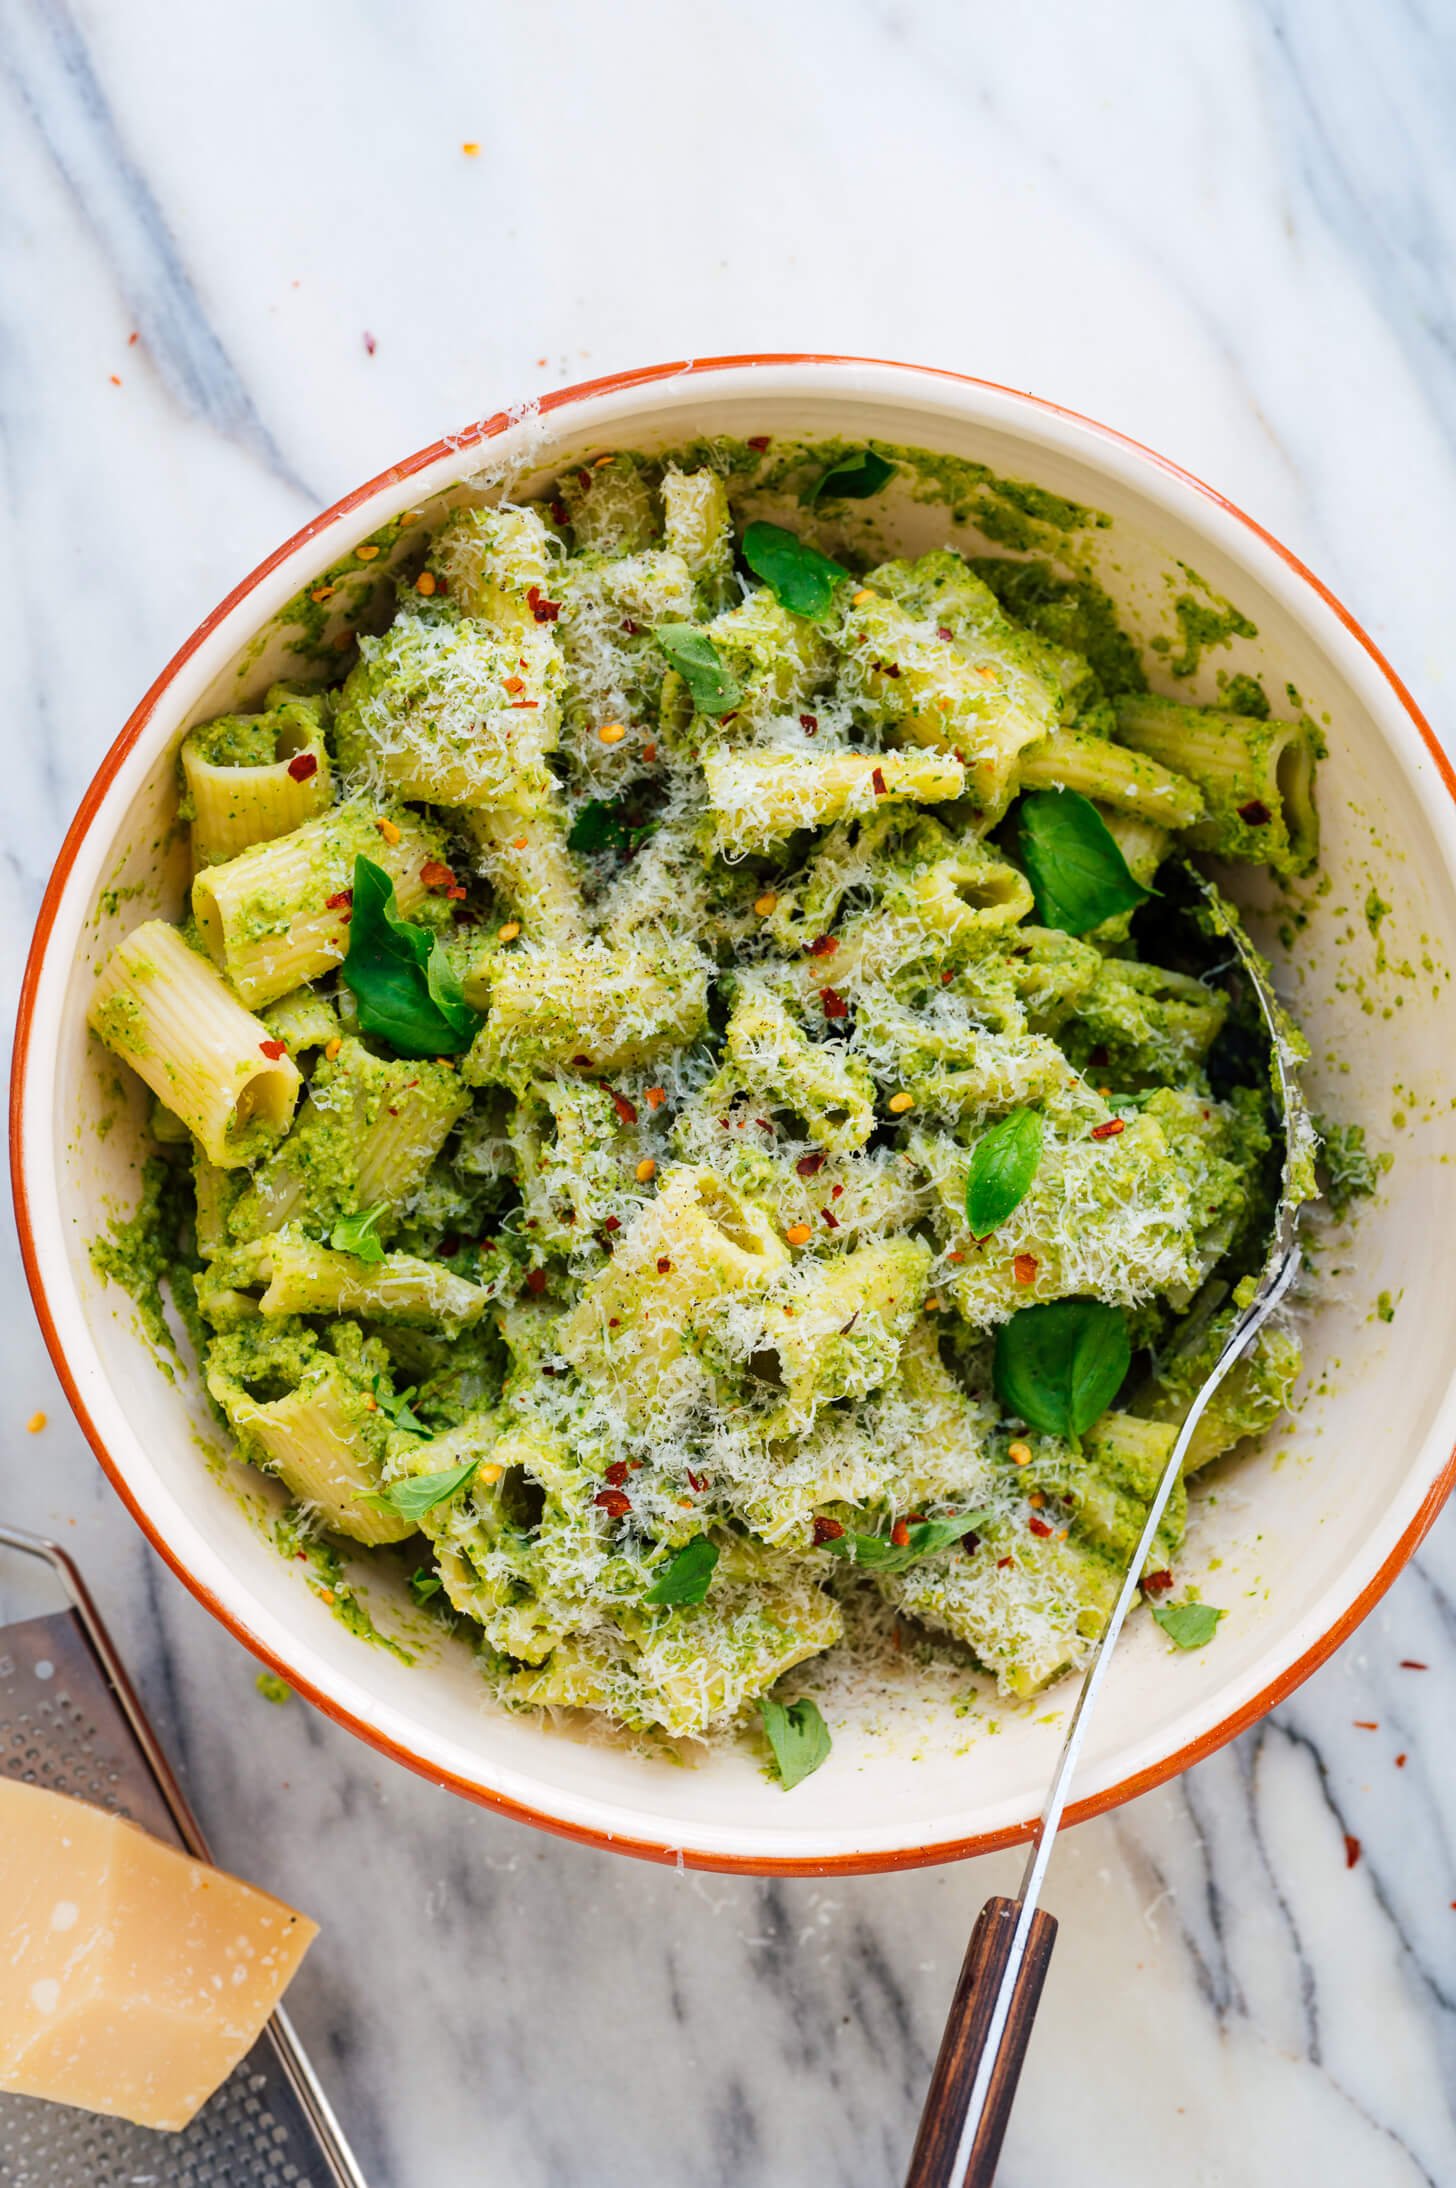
[{"x": 486, "y": 429}]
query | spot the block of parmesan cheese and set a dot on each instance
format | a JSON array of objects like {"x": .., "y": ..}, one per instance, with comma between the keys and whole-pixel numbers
[{"x": 132, "y": 1978}]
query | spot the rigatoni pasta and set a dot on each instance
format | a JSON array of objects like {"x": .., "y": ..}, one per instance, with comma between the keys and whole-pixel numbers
[{"x": 163, "y": 1010}]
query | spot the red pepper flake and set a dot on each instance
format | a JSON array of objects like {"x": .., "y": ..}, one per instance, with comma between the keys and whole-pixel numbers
[
  {"x": 633, "y": 630},
  {"x": 559, "y": 512},
  {"x": 759, "y": 441},
  {"x": 273, "y": 1050},
  {"x": 809, "y": 1166},
  {"x": 617, "y": 1473},
  {"x": 612, "y": 1223},
  {"x": 614, "y": 1502},
  {"x": 656, "y": 1096},
  {"x": 826, "y": 1530},
  {"x": 1366, "y": 1724},
  {"x": 581, "y": 1063},
  {"x": 370, "y": 345},
  {"x": 697, "y": 1482},
  {"x": 514, "y": 683},
  {"x": 341, "y": 902},
  {"x": 809, "y": 723},
  {"x": 1024, "y": 1268},
  {"x": 1413, "y": 1663},
  {"x": 1352, "y": 1851},
  {"x": 1400, "y": 1761},
  {"x": 626, "y": 1111},
  {"x": 649, "y": 753},
  {"x": 946, "y": 979},
  {"x": 823, "y": 946},
  {"x": 834, "y": 1004},
  {"x": 132, "y": 340},
  {"x": 1003, "y": 1562},
  {"x": 1108, "y": 1131},
  {"x": 1157, "y": 1583},
  {"x": 515, "y": 706},
  {"x": 664, "y": 1263},
  {"x": 438, "y": 878},
  {"x": 1256, "y": 813},
  {"x": 891, "y": 668},
  {"x": 544, "y": 610},
  {"x": 943, "y": 630},
  {"x": 302, "y": 765},
  {"x": 1038, "y": 1526},
  {"x": 900, "y": 1534},
  {"x": 536, "y": 1281},
  {"x": 835, "y": 1191},
  {"x": 878, "y": 780},
  {"x": 831, "y": 1222}
]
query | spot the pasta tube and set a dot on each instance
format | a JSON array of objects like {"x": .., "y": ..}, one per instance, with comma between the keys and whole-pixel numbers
[
  {"x": 165, "y": 1011},
  {"x": 273, "y": 917}
]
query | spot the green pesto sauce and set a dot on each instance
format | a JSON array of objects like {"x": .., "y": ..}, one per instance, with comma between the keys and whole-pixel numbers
[
  {"x": 137, "y": 1252},
  {"x": 1243, "y": 694},
  {"x": 1205, "y": 621},
  {"x": 331, "y": 1583},
  {"x": 1351, "y": 1173},
  {"x": 1071, "y": 611},
  {"x": 272, "y": 1688}
]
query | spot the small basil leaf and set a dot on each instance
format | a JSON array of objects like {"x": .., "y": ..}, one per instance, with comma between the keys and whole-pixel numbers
[
  {"x": 853, "y": 478},
  {"x": 415, "y": 1494},
  {"x": 877, "y": 1553},
  {"x": 1060, "y": 1365},
  {"x": 403, "y": 983},
  {"x": 804, "y": 580},
  {"x": 1003, "y": 1164},
  {"x": 423, "y": 1584},
  {"x": 357, "y": 1235},
  {"x": 798, "y": 1736},
  {"x": 698, "y": 662},
  {"x": 1077, "y": 873},
  {"x": 685, "y": 1577},
  {"x": 1188, "y": 1625},
  {"x": 396, "y": 1407}
]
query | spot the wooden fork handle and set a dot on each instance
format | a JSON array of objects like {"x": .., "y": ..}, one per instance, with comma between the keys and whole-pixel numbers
[{"x": 933, "y": 2164}]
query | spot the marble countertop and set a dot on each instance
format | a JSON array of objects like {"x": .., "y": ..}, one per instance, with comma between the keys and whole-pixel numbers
[{"x": 250, "y": 260}]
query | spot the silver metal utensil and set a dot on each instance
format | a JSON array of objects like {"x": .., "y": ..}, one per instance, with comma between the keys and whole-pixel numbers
[
  {"x": 974, "y": 2082},
  {"x": 70, "y": 1721}
]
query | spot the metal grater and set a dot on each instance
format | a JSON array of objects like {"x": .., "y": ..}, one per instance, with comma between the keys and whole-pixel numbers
[{"x": 70, "y": 1721}]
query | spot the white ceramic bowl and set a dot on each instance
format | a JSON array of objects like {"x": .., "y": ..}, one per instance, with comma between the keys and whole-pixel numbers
[{"x": 1300, "y": 1537}]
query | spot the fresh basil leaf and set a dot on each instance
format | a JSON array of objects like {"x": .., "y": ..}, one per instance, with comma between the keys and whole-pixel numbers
[
  {"x": 700, "y": 665},
  {"x": 1078, "y": 875},
  {"x": 1003, "y": 1164},
  {"x": 395, "y": 1406},
  {"x": 1188, "y": 1625},
  {"x": 403, "y": 982},
  {"x": 356, "y": 1234},
  {"x": 1060, "y": 1365},
  {"x": 685, "y": 1577},
  {"x": 877, "y": 1553},
  {"x": 415, "y": 1494},
  {"x": 602, "y": 827},
  {"x": 423, "y": 1584},
  {"x": 853, "y": 478},
  {"x": 798, "y": 1736},
  {"x": 804, "y": 580}
]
